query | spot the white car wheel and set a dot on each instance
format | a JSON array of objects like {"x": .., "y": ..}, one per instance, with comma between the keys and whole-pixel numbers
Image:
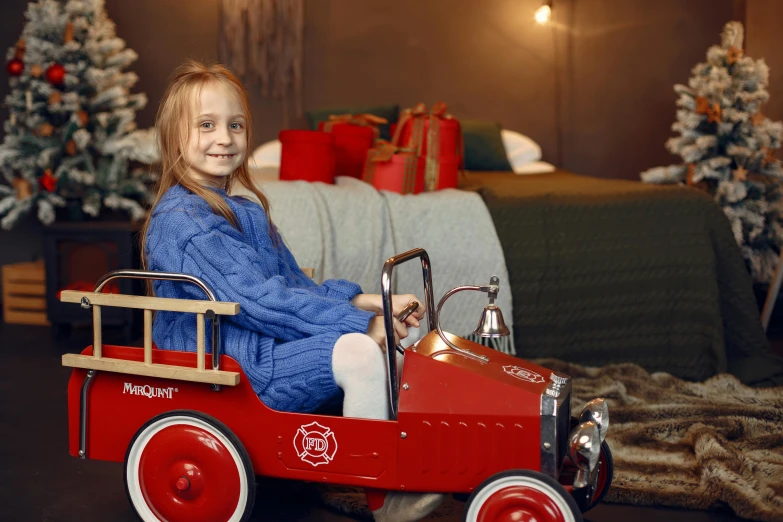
[
  {"x": 521, "y": 495},
  {"x": 187, "y": 466}
]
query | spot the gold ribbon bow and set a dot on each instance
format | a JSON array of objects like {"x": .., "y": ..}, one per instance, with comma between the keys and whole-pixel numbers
[
  {"x": 363, "y": 120},
  {"x": 383, "y": 152},
  {"x": 416, "y": 142},
  {"x": 419, "y": 114},
  {"x": 358, "y": 119},
  {"x": 439, "y": 111}
]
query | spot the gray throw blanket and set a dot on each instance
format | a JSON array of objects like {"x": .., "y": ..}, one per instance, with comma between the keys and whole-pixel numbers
[{"x": 348, "y": 230}]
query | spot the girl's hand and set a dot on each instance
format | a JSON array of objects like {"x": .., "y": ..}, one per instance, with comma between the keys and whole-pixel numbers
[
  {"x": 377, "y": 331},
  {"x": 399, "y": 302},
  {"x": 374, "y": 303}
]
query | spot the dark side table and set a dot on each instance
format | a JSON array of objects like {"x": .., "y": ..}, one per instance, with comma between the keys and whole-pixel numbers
[{"x": 77, "y": 255}]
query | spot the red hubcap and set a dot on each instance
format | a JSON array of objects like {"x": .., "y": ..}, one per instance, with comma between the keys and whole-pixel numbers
[
  {"x": 187, "y": 474},
  {"x": 519, "y": 504}
]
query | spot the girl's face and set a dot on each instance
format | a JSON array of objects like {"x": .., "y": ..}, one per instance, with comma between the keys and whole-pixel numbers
[{"x": 217, "y": 143}]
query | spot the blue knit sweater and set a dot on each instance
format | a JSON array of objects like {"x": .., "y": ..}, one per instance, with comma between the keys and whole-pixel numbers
[{"x": 287, "y": 326}]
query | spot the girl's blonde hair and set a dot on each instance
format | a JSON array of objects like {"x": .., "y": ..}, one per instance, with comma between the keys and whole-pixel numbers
[{"x": 172, "y": 125}]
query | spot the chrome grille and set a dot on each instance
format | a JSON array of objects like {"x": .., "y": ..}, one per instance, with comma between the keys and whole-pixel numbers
[
  {"x": 555, "y": 427},
  {"x": 563, "y": 429}
]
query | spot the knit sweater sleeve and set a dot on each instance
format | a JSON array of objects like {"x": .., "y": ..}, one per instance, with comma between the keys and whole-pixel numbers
[
  {"x": 213, "y": 250},
  {"x": 332, "y": 288}
]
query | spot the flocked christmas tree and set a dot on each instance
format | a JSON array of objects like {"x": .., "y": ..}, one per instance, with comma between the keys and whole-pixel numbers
[
  {"x": 727, "y": 146},
  {"x": 71, "y": 135}
]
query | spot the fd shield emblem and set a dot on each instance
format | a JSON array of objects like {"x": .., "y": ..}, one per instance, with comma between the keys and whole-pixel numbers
[
  {"x": 523, "y": 374},
  {"x": 315, "y": 444}
]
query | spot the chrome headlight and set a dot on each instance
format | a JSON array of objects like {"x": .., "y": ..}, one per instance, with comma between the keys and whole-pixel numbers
[
  {"x": 584, "y": 446},
  {"x": 597, "y": 411}
]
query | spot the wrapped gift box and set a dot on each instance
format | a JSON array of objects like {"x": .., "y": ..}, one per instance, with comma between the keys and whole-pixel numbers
[
  {"x": 354, "y": 135},
  {"x": 400, "y": 170},
  {"x": 434, "y": 132},
  {"x": 307, "y": 155}
]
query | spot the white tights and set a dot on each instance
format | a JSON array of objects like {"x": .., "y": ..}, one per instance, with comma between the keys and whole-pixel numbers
[{"x": 359, "y": 367}]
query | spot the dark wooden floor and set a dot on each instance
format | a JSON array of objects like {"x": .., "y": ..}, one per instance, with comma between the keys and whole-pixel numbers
[{"x": 39, "y": 481}]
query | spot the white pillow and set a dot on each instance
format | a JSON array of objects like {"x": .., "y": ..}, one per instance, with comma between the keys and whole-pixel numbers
[
  {"x": 267, "y": 155},
  {"x": 534, "y": 167},
  {"x": 520, "y": 149}
]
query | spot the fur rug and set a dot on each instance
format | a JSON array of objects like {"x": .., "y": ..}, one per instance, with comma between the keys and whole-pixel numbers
[{"x": 708, "y": 445}]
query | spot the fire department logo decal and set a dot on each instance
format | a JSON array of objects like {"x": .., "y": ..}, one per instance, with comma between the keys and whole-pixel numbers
[
  {"x": 315, "y": 444},
  {"x": 523, "y": 374}
]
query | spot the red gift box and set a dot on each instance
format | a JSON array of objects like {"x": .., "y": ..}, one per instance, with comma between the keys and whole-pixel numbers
[
  {"x": 400, "y": 170},
  {"x": 354, "y": 135},
  {"x": 389, "y": 167},
  {"x": 425, "y": 131},
  {"x": 307, "y": 155},
  {"x": 434, "y": 138},
  {"x": 442, "y": 172}
]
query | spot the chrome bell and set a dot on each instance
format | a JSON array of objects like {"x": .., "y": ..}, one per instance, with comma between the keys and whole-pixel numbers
[{"x": 491, "y": 324}]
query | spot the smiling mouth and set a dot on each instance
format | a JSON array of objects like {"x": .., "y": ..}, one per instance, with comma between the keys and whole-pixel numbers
[{"x": 221, "y": 156}]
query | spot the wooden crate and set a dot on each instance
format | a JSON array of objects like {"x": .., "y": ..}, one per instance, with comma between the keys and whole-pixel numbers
[{"x": 24, "y": 293}]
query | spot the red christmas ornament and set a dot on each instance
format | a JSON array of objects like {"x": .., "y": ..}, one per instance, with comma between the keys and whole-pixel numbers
[
  {"x": 55, "y": 74},
  {"x": 15, "y": 66},
  {"x": 47, "y": 181}
]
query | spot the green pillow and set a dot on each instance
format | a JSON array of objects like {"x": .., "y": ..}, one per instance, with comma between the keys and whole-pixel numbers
[
  {"x": 484, "y": 148},
  {"x": 390, "y": 112}
]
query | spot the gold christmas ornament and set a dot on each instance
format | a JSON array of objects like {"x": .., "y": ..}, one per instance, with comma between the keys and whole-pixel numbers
[
  {"x": 46, "y": 129},
  {"x": 36, "y": 70},
  {"x": 689, "y": 175},
  {"x": 68, "y": 35},
  {"x": 769, "y": 156},
  {"x": 83, "y": 117},
  {"x": 70, "y": 148},
  {"x": 702, "y": 105},
  {"x": 55, "y": 98},
  {"x": 23, "y": 188},
  {"x": 733, "y": 54},
  {"x": 740, "y": 173},
  {"x": 714, "y": 114},
  {"x": 21, "y": 47}
]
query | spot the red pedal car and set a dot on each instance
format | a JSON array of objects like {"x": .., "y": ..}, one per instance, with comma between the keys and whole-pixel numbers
[{"x": 488, "y": 427}]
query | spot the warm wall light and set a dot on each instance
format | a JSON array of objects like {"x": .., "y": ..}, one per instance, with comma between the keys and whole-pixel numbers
[{"x": 544, "y": 13}]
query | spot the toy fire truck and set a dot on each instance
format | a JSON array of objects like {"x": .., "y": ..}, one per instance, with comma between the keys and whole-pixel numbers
[{"x": 488, "y": 427}]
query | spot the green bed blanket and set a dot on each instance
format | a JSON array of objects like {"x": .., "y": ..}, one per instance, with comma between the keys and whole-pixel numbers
[{"x": 605, "y": 271}]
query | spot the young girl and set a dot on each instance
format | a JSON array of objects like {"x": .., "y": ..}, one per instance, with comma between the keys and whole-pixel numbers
[{"x": 302, "y": 345}]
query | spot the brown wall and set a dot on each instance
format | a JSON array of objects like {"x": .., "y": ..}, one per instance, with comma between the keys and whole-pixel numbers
[
  {"x": 617, "y": 62},
  {"x": 487, "y": 59},
  {"x": 617, "y": 59},
  {"x": 763, "y": 40},
  {"x": 626, "y": 57}
]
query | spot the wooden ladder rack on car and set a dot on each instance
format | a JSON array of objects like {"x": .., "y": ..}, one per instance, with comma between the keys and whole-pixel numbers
[{"x": 96, "y": 361}]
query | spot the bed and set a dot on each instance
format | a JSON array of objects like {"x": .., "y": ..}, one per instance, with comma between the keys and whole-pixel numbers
[{"x": 605, "y": 271}]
